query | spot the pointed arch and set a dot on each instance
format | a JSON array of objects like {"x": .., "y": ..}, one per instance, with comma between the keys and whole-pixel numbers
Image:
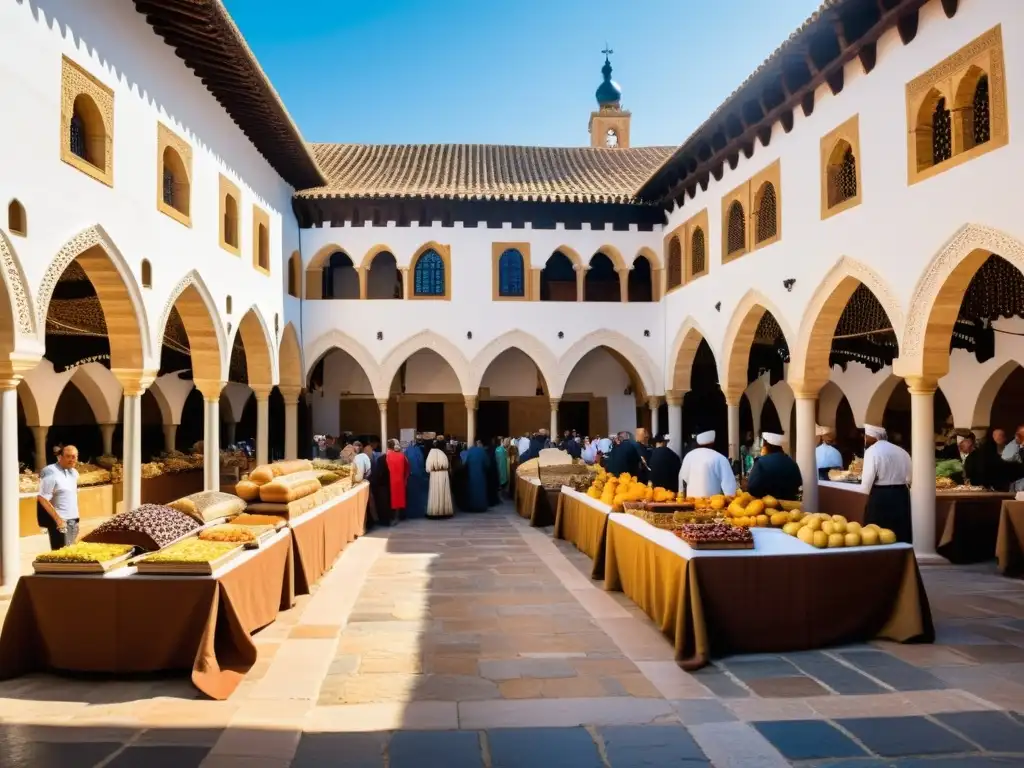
[
  {"x": 432, "y": 341},
  {"x": 739, "y": 338},
  {"x": 570, "y": 253},
  {"x": 631, "y": 355},
  {"x": 17, "y": 314},
  {"x": 101, "y": 388},
  {"x": 118, "y": 294},
  {"x": 529, "y": 345},
  {"x": 652, "y": 257},
  {"x": 206, "y": 338},
  {"x": 982, "y": 415},
  {"x": 684, "y": 351},
  {"x": 445, "y": 253},
  {"x": 880, "y": 399},
  {"x": 336, "y": 339},
  {"x": 314, "y": 270},
  {"x": 289, "y": 355},
  {"x": 372, "y": 254},
  {"x": 924, "y": 346},
  {"x": 809, "y": 361},
  {"x": 261, "y": 362},
  {"x": 612, "y": 253}
]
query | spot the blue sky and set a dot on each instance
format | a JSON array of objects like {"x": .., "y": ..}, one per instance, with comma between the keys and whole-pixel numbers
[{"x": 506, "y": 71}]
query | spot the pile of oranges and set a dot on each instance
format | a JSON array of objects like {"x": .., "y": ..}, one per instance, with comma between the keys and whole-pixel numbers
[{"x": 616, "y": 490}]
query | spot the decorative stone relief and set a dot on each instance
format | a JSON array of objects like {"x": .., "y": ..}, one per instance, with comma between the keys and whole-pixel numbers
[
  {"x": 75, "y": 81},
  {"x": 967, "y": 240},
  {"x": 15, "y": 281},
  {"x": 72, "y": 249}
]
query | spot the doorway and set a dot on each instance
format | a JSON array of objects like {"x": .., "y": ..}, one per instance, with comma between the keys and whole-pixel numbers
[
  {"x": 574, "y": 414},
  {"x": 492, "y": 419},
  {"x": 430, "y": 417}
]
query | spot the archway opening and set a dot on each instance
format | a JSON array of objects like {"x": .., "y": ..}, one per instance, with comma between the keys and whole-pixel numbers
[
  {"x": 704, "y": 405},
  {"x": 341, "y": 397},
  {"x": 340, "y": 279},
  {"x": 558, "y": 279},
  {"x": 603, "y": 394},
  {"x": 641, "y": 283},
  {"x": 897, "y": 423},
  {"x": 602, "y": 281},
  {"x": 513, "y": 398},
  {"x": 74, "y": 422},
  {"x": 863, "y": 334},
  {"x": 384, "y": 279},
  {"x": 425, "y": 395}
]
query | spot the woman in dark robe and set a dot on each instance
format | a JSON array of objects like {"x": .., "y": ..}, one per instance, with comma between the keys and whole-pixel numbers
[
  {"x": 493, "y": 479},
  {"x": 460, "y": 481},
  {"x": 476, "y": 478},
  {"x": 379, "y": 507}
]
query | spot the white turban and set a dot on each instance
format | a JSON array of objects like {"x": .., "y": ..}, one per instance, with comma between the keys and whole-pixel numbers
[
  {"x": 772, "y": 438},
  {"x": 876, "y": 432},
  {"x": 706, "y": 438}
]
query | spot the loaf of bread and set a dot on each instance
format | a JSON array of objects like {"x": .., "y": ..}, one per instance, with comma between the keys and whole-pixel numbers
[
  {"x": 289, "y": 510},
  {"x": 261, "y": 474},
  {"x": 291, "y": 466},
  {"x": 247, "y": 490},
  {"x": 289, "y": 488}
]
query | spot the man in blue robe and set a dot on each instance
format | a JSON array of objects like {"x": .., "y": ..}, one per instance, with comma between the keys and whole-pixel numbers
[
  {"x": 417, "y": 489},
  {"x": 476, "y": 469}
]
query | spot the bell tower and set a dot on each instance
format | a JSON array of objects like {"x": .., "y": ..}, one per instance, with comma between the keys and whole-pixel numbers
[{"x": 609, "y": 124}]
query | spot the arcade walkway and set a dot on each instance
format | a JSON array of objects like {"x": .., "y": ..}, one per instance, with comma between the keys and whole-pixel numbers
[{"x": 480, "y": 642}]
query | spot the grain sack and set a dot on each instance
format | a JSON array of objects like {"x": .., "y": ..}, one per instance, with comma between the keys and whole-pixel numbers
[{"x": 209, "y": 505}]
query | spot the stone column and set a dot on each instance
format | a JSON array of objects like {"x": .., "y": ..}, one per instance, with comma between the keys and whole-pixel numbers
[
  {"x": 470, "y": 419},
  {"x": 40, "y": 434},
  {"x": 654, "y": 403},
  {"x": 406, "y": 286},
  {"x": 211, "y": 433},
  {"x": 675, "y": 420},
  {"x": 131, "y": 456},
  {"x": 623, "y": 273},
  {"x": 534, "y": 292},
  {"x": 170, "y": 437},
  {"x": 581, "y": 278},
  {"x": 363, "y": 273},
  {"x": 262, "y": 426},
  {"x": 382, "y": 406},
  {"x": 107, "y": 433},
  {"x": 922, "y": 452},
  {"x": 553, "y": 431},
  {"x": 291, "y": 421},
  {"x": 10, "y": 523},
  {"x": 806, "y": 418},
  {"x": 734, "y": 429}
]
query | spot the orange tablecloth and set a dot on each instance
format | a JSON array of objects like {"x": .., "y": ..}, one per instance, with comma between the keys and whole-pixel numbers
[
  {"x": 321, "y": 534},
  {"x": 584, "y": 522},
  {"x": 535, "y": 503},
  {"x": 125, "y": 623}
]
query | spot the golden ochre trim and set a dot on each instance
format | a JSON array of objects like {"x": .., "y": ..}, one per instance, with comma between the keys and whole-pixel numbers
[
  {"x": 834, "y": 145},
  {"x": 759, "y": 183},
  {"x": 228, "y": 188},
  {"x": 99, "y": 121},
  {"x": 740, "y": 195},
  {"x": 696, "y": 226},
  {"x": 261, "y": 245},
  {"x": 181, "y": 155},
  {"x": 445, "y": 252},
  {"x": 953, "y": 79},
  {"x": 497, "y": 249}
]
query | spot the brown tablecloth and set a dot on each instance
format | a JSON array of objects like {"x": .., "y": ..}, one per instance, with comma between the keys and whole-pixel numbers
[
  {"x": 710, "y": 606},
  {"x": 1010, "y": 538},
  {"x": 966, "y": 522},
  {"x": 321, "y": 535},
  {"x": 137, "y": 624},
  {"x": 535, "y": 503},
  {"x": 583, "y": 525}
]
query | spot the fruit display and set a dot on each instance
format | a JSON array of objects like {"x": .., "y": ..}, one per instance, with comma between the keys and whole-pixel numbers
[
  {"x": 192, "y": 551},
  {"x": 85, "y": 552},
  {"x": 715, "y": 536},
  {"x": 615, "y": 491},
  {"x": 833, "y": 531},
  {"x": 748, "y": 512}
]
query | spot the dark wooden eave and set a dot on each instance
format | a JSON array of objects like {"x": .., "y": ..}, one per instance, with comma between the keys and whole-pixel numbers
[
  {"x": 815, "y": 55},
  {"x": 206, "y": 38}
]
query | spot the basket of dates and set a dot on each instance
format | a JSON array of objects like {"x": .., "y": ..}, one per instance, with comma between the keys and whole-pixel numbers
[{"x": 715, "y": 536}]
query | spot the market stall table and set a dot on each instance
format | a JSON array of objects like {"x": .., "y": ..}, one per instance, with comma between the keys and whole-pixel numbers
[
  {"x": 123, "y": 622},
  {"x": 1010, "y": 539},
  {"x": 783, "y": 596},
  {"x": 321, "y": 534},
  {"x": 534, "y": 502},
  {"x": 584, "y": 522},
  {"x": 966, "y": 522}
]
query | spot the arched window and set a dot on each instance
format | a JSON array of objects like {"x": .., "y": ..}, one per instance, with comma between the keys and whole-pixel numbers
[
  {"x": 294, "y": 275},
  {"x": 601, "y": 282},
  {"x": 175, "y": 184},
  {"x": 79, "y": 145},
  {"x": 429, "y": 277},
  {"x": 263, "y": 247},
  {"x": 675, "y": 263},
  {"x": 611, "y": 138},
  {"x": 558, "y": 279},
  {"x": 982, "y": 131},
  {"x": 639, "y": 283},
  {"x": 698, "y": 260},
  {"x": 736, "y": 235},
  {"x": 842, "y": 174},
  {"x": 227, "y": 305},
  {"x": 147, "y": 274},
  {"x": 17, "y": 223},
  {"x": 511, "y": 277},
  {"x": 942, "y": 133},
  {"x": 767, "y": 213},
  {"x": 341, "y": 281},
  {"x": 384, "y": 279},
  {"x": 230, "y": 220}
]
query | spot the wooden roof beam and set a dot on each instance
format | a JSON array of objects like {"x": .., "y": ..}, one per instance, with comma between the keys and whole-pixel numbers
[
  {"x": 907, "y": 26},
  {"x": 950, "y": 7}
]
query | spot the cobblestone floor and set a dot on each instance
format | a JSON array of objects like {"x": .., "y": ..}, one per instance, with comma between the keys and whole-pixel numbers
[{"x": 481, "y": 642}]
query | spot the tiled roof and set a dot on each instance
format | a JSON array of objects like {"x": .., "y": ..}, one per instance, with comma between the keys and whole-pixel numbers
[{"x": 485, "y": 172}]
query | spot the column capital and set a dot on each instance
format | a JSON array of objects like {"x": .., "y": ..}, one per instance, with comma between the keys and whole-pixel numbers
[
  {"x": 262, "y": 395},
  {"x": 210, "y": 388},
  {"x": 134, "y": 382},
  {"x": 803, "y": 390},
  {"x": 554, "y": 401},
  {"x": 655, "y": 402},
  {"x": 674, "y": 397},
  {"x": 290, "y": 394},
  {"x": 382, "y": 405},
  {"x": 14, "y": 368},
  {"x": 580, "y": 267},
  {"x": 471, "y": 401},
  {"x": 624, "y": 269},
  {"x": 734, "y": 401},
  {"x": 921, "y": 385}
]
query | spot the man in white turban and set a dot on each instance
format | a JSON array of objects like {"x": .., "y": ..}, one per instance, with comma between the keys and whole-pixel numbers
[
  {"x": 774, "y": 473},
  {"x": 706, "y": 472},
  {"x": 826, "y": 455},
  {"x": 887, "y": 473}
]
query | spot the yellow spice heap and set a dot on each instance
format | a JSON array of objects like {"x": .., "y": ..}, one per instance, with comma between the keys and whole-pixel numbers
[
  {"x": 85, "y": 552},
  {"x": 192, "y": 551}
]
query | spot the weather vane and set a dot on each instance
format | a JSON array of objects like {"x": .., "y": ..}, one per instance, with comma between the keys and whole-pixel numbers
[{"x": 607, "y": 51}]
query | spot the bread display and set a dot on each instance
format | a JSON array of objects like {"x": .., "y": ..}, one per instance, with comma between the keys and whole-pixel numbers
[
  {"x": 209, "y": 505},
  {"x": 291, "y": 466},
  {"x": 247, "y": 490},
  {"x": 261, "y": 475},
  {"x": 149, "y": 527},
  {"x": 289, "y": 488}
]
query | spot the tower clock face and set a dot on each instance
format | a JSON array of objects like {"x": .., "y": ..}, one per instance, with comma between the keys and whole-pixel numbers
[{"x": 611, "y": 139}]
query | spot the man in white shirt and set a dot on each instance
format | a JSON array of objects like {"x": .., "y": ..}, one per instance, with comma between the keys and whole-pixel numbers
[
  {"x": 523, "y": 445},
  {"x": 826, "y": 455},
  {"x": 362, "y": 463},
  {"x": 887, "y": 474},
  {"x": 57, "y": 501},
  {"x": 706, "y": 472}
]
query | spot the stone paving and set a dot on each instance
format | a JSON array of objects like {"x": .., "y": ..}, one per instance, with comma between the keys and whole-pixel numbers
[{"x": 481, "y": 642}]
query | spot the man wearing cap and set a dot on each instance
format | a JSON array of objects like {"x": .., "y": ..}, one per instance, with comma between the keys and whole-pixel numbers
[
  {"x": 826, "y": 455},
  {"x": 705, "y": 472},
  {"x": 887, "y": 473},
  {"x": 664, "y": 465},
  {"x": 775, "y": 473}
]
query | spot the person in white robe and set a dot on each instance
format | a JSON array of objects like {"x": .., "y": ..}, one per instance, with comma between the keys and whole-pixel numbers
[
  {"x": 826, "y": 455},
  {"x": 706, "y": 472},
  {"x": 439, "y": 499},
  {"x": 887, "y": 475}
]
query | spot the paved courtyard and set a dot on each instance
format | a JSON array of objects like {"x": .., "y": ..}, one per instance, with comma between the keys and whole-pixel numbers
[{"x": 481, "y": 642}]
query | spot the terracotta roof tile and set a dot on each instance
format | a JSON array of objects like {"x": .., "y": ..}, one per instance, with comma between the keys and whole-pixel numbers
[{"x": 485, "y": 171}]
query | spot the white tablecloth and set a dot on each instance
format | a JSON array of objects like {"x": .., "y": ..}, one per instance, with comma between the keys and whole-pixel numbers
[{"x": 588, "y": 500}]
